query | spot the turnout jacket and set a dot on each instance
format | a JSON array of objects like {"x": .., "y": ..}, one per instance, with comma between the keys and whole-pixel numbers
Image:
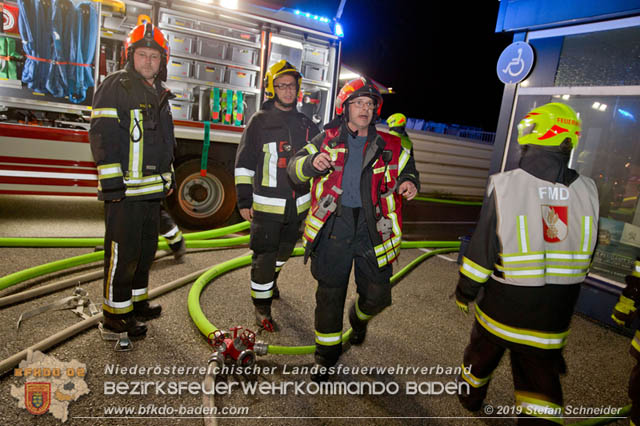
[
  {"x": 131, "y": 137},
  {"x": 531, "y": 250},
  {"x": 268, "y": 143},
  {"x": 386, "y": 165}
]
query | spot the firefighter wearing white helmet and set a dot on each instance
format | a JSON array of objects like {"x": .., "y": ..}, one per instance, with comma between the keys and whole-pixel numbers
[
  {"x": 132, "y": 142},
  {"x": 266, "y": 196},
  {"x": 358, "y": 178},
  {"x": 530, "y": 264}
]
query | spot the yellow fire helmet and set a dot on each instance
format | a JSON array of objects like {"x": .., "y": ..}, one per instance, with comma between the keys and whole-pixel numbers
[
  {"x": 279, "y": 69},
  {"x": 397, "y": 120},
  {"x": 549, "y": 125}
]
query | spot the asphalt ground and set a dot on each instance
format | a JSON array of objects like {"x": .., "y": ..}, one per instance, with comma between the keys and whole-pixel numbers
[{"x": 423, "y": 329}]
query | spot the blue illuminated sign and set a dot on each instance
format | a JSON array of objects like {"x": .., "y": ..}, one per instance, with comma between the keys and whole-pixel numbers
[{"x": 515, "y": 62}]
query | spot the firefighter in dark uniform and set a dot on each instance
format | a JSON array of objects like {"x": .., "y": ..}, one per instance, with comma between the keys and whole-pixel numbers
[
  {"x": 359, "y": 177},
  {"x": 266, "y": 196},
  {"x": 625, "y": 311},
  {"x": 530, "y": 252},
  {"x": 132, "y": 142}
]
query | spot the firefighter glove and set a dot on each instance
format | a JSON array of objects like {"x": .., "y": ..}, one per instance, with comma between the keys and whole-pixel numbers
[
  {"x": 623, "y": 310},
  {"x": 464, "y": 307}
]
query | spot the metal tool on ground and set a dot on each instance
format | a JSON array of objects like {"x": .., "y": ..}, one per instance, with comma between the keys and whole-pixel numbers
[
  {"x": 78, "y": 302},
  {"x": 123, "y": 343}
]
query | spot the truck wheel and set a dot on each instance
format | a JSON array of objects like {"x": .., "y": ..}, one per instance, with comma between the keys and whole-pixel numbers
[{"x": 200, "y": 202}]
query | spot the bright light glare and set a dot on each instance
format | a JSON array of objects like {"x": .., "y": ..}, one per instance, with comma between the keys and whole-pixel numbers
[
  {"x": 229, "y": 4},
  {"x": 595, "y": 105},
  {"x": 603, "y": 107},
  {"x": 348, "y": 75},
  {"x": 286, "y": 42},
  {"x": 566, "y": 97}
]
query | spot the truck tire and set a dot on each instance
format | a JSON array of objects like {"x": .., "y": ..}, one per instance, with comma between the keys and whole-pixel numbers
[{"x": 202, "y": 202}]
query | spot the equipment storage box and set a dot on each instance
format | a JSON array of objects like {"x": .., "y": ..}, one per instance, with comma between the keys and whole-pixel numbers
[
  {"x": 315, "y": 55},
  {"x": 213, "y": 49},
  {"x": 180, "y": 43},
  {"x": 242, "y": 35},
  {"x": 179, "y": 68},
  {"x": 178, "y": 21},
  {"x": 209, "y": 72},
  {"x": 243, "y": 55},
  {"x": 212, "y": 28},
  {"x": 180, "y": 90},
  {"x": 241, "y": 78},
  {"x": 180, "y": 110},
  {"x": 314, "y": 72},
  {"x": 293, "y": 55}
]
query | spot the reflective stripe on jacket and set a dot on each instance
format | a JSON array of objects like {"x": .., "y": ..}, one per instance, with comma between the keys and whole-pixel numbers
[
  {"x": 132, "y": 138},
  {"x": 547, "y": 231},
  {"x": 387, "y": 203}
]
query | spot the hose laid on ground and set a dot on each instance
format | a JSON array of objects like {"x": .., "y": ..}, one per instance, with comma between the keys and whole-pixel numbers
[
  {"x": 445, "y": 201},
  {"x": 68, "y": 332},
  {"x": 206, "y": 327},
  {"x": 95, "y": 242},
  {"x": 53, "y": 287},
  {"x": 58, "y": 265},
  {"x": 604, "y": 420}
]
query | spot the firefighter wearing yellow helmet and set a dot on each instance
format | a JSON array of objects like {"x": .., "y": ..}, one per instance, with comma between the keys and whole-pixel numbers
[
  {"x": 397, "y": 126},
  {"x": 266, "y": 197},
  {"x": 530, "y": 264}
]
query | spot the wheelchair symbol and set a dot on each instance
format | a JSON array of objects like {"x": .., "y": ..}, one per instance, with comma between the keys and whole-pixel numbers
[{"x": 515, "y": 62}]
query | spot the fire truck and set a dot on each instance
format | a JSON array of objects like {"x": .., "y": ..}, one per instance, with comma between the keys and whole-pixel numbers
[{"x": 54, "y": 52}]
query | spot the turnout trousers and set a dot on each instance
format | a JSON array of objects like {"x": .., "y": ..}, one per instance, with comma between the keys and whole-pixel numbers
[
  {"x": 536, "y": 378},
  {"x": 168, "y": 229},
  {"x": 343, "y": 242},
  {"x": 272, "y": 243},
  {"x": 634, "y": 388},
  {"x": 130, "y": 242}
]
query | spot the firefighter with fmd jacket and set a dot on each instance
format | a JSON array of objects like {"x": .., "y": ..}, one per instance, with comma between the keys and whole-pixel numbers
[{"x": 530, "y": 252}]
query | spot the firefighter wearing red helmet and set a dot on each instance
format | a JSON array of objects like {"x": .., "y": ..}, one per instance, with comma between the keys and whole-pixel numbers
[
  {"x": 132, "y": 142},
  {"x": 530, "y": 252},
  {"x": 358, "y": 178},
  {"x": 266, "y": 196}
]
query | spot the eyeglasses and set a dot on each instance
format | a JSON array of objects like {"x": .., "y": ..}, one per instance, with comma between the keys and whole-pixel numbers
[
  {"x": 144, "y": 56},
  {"x": 363, "y": 104},
  {"x": 286, "y": 86}
]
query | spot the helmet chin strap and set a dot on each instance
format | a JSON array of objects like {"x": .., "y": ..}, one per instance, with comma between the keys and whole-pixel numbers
[{"x": 289, "y": 105}]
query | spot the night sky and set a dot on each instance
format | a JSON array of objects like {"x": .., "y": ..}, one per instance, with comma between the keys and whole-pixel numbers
[{"x": 439, "y": 56}]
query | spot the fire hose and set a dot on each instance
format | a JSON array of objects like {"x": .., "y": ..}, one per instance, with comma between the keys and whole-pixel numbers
[{"x": 195, "y": 311}]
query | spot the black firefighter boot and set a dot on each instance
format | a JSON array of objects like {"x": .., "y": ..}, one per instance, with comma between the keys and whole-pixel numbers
[
  {"x": 358, "y": 327},
  {"x": 146, "y": 310},
  {"x": 178, "y": 249},
  {"x": 119, "y": 323},
  {"x": 263, "y": 317}
]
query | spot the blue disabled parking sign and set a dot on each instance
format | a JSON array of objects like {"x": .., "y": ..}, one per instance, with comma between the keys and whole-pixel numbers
[{"x": 515, "y": 62}]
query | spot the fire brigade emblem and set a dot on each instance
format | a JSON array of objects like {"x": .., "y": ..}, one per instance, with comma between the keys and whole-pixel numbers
[
  {"x": 555, "y": 223},
  {"x": 37, "y": 397}
]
